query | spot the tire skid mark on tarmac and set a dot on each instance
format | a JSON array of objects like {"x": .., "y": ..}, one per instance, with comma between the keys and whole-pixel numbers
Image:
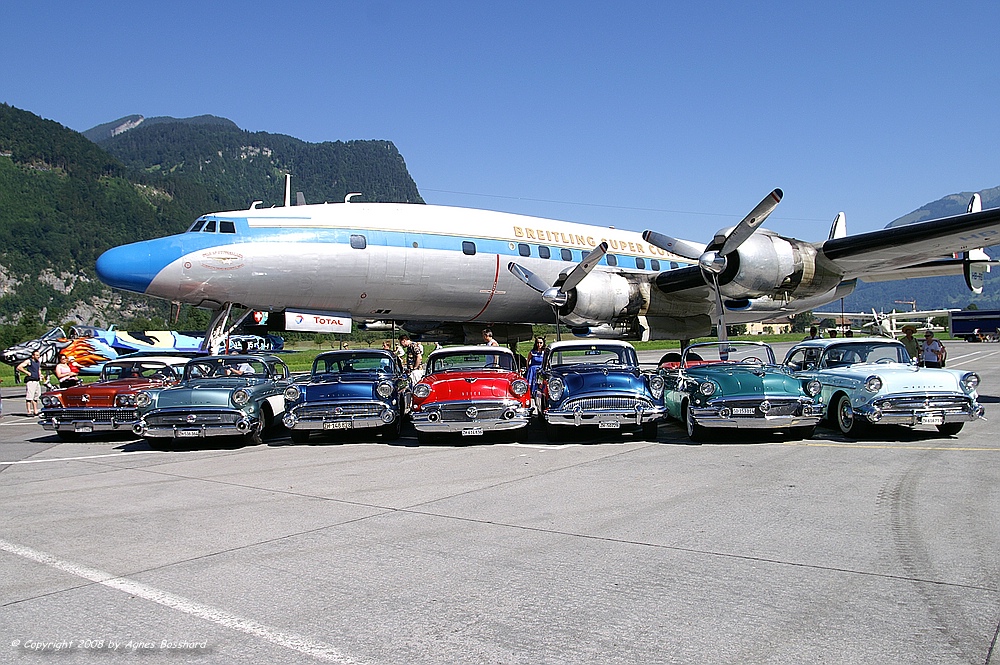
[{"x": 896, "y": 503}]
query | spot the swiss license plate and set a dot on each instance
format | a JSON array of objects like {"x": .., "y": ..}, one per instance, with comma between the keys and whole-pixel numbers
[
  {"x": 340, "y": 424},
  {"x": 932, "y": 420},
  {"x": 185, "y": 433},
  {"x": 743, "y": 411},
  {"x": 82, "y": 429},
  {"x": 472, "y": 431},
  {"x": 609, "y": 424}
]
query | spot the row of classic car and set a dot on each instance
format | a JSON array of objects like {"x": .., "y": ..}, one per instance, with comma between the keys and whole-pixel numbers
[{"x": 469, "y": 391}]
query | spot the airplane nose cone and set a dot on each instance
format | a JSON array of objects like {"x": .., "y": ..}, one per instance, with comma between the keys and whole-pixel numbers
[{"x": 129, "y": 267}]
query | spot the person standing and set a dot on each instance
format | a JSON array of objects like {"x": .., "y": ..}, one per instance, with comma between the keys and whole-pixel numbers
[
  {"x": 31, "y": 368},
  {"x": 65, "y": 373},
  {"x": 535, "y": 357},
  {"x": 911, "y": 343},
  {"x": 413, "y": 355},
  {"x": 488, "y": 338},
  {"x": 931, "y": 351}
]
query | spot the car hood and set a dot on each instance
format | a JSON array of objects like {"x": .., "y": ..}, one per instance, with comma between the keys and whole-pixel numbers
[
  {"x": 203, "y": 392},
  {"x": 897, "y": 376},
  {"x": 738, "y": 380},
  {"x": 581, "y": 380},
  {"x": 470, "y": 385},
  {"x": 103, "y": 394},
  {"x": 361, "y": 387}
]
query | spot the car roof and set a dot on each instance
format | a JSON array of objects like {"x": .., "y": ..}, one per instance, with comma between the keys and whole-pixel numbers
[
  {"x": 828, "y": 342},
  {"x": 555, "y": 346},
  {"x": 480, "y": 348}
]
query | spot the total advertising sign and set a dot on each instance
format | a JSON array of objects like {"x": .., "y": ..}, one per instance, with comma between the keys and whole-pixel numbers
[{"x": 324, "y": 322}]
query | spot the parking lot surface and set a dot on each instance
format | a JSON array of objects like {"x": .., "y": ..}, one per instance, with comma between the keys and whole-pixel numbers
[{"x": 609, "y": 550}]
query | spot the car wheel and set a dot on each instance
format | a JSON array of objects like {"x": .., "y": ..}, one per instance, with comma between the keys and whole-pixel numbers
[
  {"x": 425, "y": 438},
  {"x": 803, "y": 432},
  {"x": 67, "y": 436},
  {"x": 391, "y": 431},
  {"x": 950, "y": 429},
  {"x": 847, "y": 421},
  {"x": 695, "y": 432},
  {"x": 299, "y": 435},
  {"x": 649, "y": 430},
  {"x": 254, "y": 438},
  {"x": 266, "y": 417}
]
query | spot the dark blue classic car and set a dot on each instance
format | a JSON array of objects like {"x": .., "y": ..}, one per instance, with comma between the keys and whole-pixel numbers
[
  {"x": 599, "y": 384},
  {"x": 349, "y": 390}
]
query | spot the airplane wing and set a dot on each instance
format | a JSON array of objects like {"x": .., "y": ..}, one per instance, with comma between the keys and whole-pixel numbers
[{"x": 914, "y": 247}]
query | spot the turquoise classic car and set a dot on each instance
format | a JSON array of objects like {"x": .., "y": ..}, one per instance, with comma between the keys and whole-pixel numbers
[
  {"x": 218, "y": 396},
  {"x": 737, "y": 385},
  {"x": 873, "y": 381}
]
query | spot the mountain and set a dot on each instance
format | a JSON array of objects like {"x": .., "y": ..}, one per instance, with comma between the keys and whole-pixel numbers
[
  {"x": 65, "y": 199},
  {"x": 240, "y": 167},
  {"x": 931, "y": 292}
]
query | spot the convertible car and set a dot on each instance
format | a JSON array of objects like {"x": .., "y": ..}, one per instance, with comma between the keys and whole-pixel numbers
[
  {"x": 737, "y": 385},
  {"x": 109, "y": 404},
  {"x": 470, "y": 390},
  {"x": 218, "y": 396},
  {"x": 598, "y": 384},
  {"x": 349, "y": 390},
  {"x": 873, "y": 381}
]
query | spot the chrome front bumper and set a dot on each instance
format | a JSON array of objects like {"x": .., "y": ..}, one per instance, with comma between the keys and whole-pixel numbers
[
  {"x": 79, "y": 420},
  {"x": 194, "y": 424},
  {"x": 921, "y": 409},
  {"x": 757, "y": 414},
  {"x": 340, "y": 415},
  {"x": 575, "y": 413},
  {"x": 465, "y": 417}
]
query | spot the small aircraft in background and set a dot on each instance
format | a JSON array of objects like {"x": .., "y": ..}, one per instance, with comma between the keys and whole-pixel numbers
[{"x": 890, "y": 324}]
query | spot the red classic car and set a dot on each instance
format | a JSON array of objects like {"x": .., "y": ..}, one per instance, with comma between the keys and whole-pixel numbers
[
  {"x": 109, "y": 404},
  {"x": 470, "y": 390}
]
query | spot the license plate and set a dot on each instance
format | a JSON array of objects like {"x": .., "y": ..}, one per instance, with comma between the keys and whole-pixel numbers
[
  {"x": 340, "y": 424},
  {"x": 183, "y": 433},
  {"x": 743, "y": 411},
  {"x": 82, "y": 429},
  {"x": 472, "y": 431},
  {"x": 609, "y": 424},
  {"x": 932, "y": 420}
]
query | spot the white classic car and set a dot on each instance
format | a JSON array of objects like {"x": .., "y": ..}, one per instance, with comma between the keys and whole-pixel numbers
[{"x": 873, "y": 381}]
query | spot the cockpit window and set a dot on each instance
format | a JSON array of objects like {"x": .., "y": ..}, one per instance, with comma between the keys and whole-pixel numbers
[
  {"x": 197, "y": 226},
  {"x": 227, "y": 226},
  {"x": 209, "y": 227}
]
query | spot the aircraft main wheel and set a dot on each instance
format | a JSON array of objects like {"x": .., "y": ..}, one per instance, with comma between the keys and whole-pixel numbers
[
  {"x": 299, "y": 435},
  {"x": 695, "y": 432},
  {"x": 847, "y": 421},
  {"x": 950, "y": 429}
]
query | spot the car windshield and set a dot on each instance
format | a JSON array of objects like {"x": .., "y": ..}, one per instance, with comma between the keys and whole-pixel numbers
[
  {"x": 352, "y": 363},
  {"x": 138, "y": 369},
  {"x": 730, "y": 352},
  {"x": 592, "y": 354},
  {"x": 471, "y": 360},
  {"x": 220, "y": 367},
  {"x": 851, "y": 353}
]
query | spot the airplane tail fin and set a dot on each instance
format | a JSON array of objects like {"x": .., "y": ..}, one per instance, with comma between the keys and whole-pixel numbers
[{"x": 839, "y": 228}]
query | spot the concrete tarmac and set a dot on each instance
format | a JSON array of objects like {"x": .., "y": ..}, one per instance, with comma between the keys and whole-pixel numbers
[{"x": 611, "y": 550}]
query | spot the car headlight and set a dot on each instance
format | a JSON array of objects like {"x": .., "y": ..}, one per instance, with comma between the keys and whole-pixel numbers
[
  {"x": 656, "y": 386},
  {"x": 125, "y": 400},
  {"x": 556, "y": 387},
  {"x": 706, "y": 388},
  {"x": 421, "y": 390},
  {"x": 813, "y": 388},
  {"x": 143, "y": 400},
  {"x": 292, "y": 393},
  {"x": 519, "y": 387},
  {"x": 873, "y": 384},
  {"x": 384, "y": 389},
  {"x": 241, "y": 397},
  {"x": 970, "y": 382},
  {"x": 50, "y": 400}
]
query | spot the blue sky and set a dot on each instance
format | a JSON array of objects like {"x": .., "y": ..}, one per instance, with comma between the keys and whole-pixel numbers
[{"x": 677, "y": 117}]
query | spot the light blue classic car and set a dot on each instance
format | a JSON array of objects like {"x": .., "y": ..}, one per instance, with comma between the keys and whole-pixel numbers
[
  {"x": 873, "y": 381},
  {"x": 348, "y": 390},
  {"x": 737, "y": 385},
  {"x": 598, "y": 384},
  {"x": 218, "y": 396}
]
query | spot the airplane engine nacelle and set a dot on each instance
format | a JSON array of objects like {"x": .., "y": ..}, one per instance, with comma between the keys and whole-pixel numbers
[
  {"x": 767, "y": 264},
  {"x": 601, "y": 298}
]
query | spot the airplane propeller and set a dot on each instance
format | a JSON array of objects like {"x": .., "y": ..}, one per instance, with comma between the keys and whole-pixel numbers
[
  {"x": 713, "y": 262},
  {"x": 557, "y": 295}
]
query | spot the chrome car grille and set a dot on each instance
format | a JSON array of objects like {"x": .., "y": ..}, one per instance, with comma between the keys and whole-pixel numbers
[
  {"x": 910, "y": 403},
  {"x": 201, "y": 418},
  {"x": 338, "y": 410},
  {"x": 458, "y": 412},
  {"x": 779, "y": 407},
  {"x": 97, "y": 415},
  {"x": 606, "y": 404}
]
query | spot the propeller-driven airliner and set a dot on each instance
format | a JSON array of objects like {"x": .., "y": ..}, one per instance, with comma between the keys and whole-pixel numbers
[{"x": 443, "y": 273}]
